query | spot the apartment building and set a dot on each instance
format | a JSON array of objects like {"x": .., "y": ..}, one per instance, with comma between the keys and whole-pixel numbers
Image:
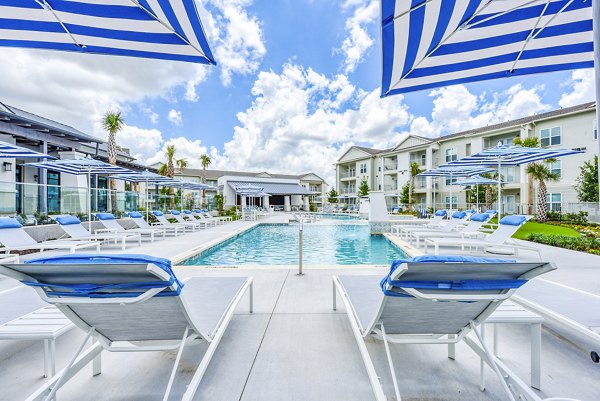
[{"x": 388, "y": 169}]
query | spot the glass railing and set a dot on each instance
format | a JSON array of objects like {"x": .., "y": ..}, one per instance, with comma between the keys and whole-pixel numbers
[{"x": 37, "y": 201}]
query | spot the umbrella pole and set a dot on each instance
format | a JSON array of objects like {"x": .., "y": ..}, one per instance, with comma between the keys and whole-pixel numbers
[
  {"x": 89, "y": 200},
  {"x": 499, "y": 190},
  {"x": 477, "y": 196},
  {"x": 596, "y": 31},
  {"x": 146, "y": 198}
]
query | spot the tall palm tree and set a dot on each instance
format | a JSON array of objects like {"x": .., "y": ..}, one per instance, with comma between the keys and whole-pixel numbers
[
  {"x": 529, "y": 142},
  {"x": 181, "y": 164},
  {"x": 413, "y": 170},
  {"x": 206, "y": 161},
  {"x": 113, "y": 122},
  {"x": 541, "y": 173}
]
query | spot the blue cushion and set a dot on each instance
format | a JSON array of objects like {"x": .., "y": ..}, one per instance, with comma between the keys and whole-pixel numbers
[
  {"x": 459, "y": 215},
  {"x": 95, "y": 291},
  {"x": 441, "y": 213},
  {"x": 135, "y": 215},
  {"x": 437, "y": 259},
  {"x": 204, "y": 210},
  {"x": 105, "y": 216},
  {"x": 513, "y": 220},
  {"x": 9, "y": 222},
  {"x": 174, "y": 212},
  {"x": 472, "y": 211},
  {"x": 480, "y": 217},
  {"x": 67, "y": 219},
  {"x": 187, "y": 212},
  {"x": 157, "y": 213},
  {"x": 491, "y": 212},
  {"x": 196, "y": 210}
]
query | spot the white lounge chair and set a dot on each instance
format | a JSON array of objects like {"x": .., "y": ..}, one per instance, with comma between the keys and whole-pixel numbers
[
  {"x": 458, "y": 218},
  {"x": 163, "y": 222},
  {"x": 109, "y": 221},
  {"x": 189, "y": 216},
  {"x": 138, "y": 219},
  {"x": 434, "y": 300},
  {"x": 434, "y": 222},
  {"x": 471, "y": 230},
  {"x": 74, "y": 229},
  {"x": 209, "y": 216},
  {"x": 500, "y": 240},
  {"x": 176, "y": 214},
  {"x": 15, "y": 238},
  {"x": 132, "y": 303}
]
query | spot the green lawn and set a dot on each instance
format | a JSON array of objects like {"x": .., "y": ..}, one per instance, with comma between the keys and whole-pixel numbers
[{"x": 541, "y": 228}]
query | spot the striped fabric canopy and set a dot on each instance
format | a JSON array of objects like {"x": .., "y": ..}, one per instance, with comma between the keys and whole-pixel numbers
[
  {"x": 160, "y": 29},
  {"x": 447, "y": 171},
  {"x": 145, "y": 176},
  {"x": 475, "y": 180},
  {"x": 433, "y": 43},
  {"x": 81, "y": 166},
  {"x": 509, "y": 155},
  {"x": 10, "y": 151}
]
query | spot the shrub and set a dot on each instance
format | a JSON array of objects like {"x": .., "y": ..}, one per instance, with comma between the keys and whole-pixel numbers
[{"x": 584, "y": 243}]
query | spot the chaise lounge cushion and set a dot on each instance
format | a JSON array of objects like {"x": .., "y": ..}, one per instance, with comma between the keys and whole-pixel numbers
[
  {"x": 514, "y": 220},
  {"x": 480, "y": 217},
  {"x": 66, "y": 220},
  {"x": 135, "y": 215},
  {"x": 105, "y": 216},
  {"x": 9, "y": 222}
]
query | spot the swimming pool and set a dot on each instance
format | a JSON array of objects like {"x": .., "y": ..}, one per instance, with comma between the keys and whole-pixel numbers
[{"x": 268, "y": 244}]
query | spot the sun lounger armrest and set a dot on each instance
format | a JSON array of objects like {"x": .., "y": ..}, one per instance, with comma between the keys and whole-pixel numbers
[
  {"x": 124, "y": 300},
  {"x": 462, "y": 297}
]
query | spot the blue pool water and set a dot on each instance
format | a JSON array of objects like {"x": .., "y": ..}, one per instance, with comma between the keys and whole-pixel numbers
[{"x": 344, "y": 244}]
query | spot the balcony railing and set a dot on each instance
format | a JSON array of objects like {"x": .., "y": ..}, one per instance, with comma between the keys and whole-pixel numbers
[
  {"x": 390, "y": 167},
  {"x": 393, "y": 187},
  {"x": 348, "y": 174}
]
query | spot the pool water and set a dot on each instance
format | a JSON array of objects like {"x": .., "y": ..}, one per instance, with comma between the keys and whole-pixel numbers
[{"x": 342, "y": 244}]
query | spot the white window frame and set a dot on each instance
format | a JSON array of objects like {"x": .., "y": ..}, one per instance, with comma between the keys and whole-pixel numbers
[
  {"x": 447, "y": 201},
  {"x": 453, "y": 154},
  {"x": 550, "y": 136},
  {"x": 550, "y": 202},
  {"x": 363, "y": 166},
  {"x": 451, "y": 180},
  {"x": 559, "y": 167}
]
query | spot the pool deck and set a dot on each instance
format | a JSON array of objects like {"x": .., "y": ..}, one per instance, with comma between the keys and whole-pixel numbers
[{"x": 295, "y": 347}]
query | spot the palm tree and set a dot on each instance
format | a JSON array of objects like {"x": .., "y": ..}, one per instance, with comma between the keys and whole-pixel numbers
[
  {"x": 113, "y": 123},
  {"x": 529, "y": 142},
  {"x": 414, "y": 170},
  {"x": 181, "y": 164},
  {"x": 541, "y": 173},
  {"x": 206, "y": 161}
]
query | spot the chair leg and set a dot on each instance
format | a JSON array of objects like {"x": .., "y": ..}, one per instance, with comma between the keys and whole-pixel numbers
[
  {"x": 391, "y": 364},
  {"x": 175, "y": 365}
]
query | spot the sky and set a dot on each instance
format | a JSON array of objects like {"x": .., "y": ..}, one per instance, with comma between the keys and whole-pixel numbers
[{"x": 296, "y": 84}]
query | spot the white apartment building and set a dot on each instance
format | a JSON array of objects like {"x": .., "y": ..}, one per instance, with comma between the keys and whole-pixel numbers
[{"x": 387, "y": 170}]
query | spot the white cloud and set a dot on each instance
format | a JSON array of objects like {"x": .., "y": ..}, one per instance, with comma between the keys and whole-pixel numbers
[
  {"x": 175, "y": 117},
  {"x": 455, "y": 109},
  {"x": 358, "y": 41},
  {"x": 236, "y": 37},
  {"x": 184, "y": 149},
  {"x": 285, "y": 130},
  {"x": 142, "y": 143},
  {"x": 149, "y": 112},
  {"x": 581, "y": 88}
]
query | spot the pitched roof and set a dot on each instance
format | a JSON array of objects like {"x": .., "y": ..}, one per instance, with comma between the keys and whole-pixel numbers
[
  {"x": 370, "y": 151},
  {"x": 214, "y": 174},
  {"x": 524, "y": 120}
]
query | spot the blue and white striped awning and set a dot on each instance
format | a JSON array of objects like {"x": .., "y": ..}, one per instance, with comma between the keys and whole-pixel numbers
[
  {"x": 10, "y": 151},
  {"x": 509, "y": 155},
  {"x": 447, "y": 171},
  {"x": 81, "y": 166},
  {"x": 145, "y": 176},
  {"x": 159, "y": 29},
  {"x": 476, "y": 180},
  {"x": 432, "y": 43}
]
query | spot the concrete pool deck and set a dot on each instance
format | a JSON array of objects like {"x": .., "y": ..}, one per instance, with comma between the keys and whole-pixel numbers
[{"x": 295, "y": 347}]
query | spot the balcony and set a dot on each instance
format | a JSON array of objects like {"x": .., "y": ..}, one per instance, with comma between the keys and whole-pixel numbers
[
  {"x": 392, "y": 187},
  {"x": 390, "y": 168},
  {"x": 348, "y": 174}
]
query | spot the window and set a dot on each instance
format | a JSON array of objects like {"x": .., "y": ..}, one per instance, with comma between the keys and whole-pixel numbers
[
  {"x": 451, "y": 180},
  {"x": 53, "y": 192},
  {"x": 448, "y": 202},
  {"x": 554, "y": 202},
  {"x": 550, "y": 136},
  {"x": 421, "y": 182},
  {"x": 555, "y": 167},
  {"x": 508, "y": 174},
  {"x": 595, "y": 129},
  {"x": 451, "y": 155},
  {"x": 468, "y": 149},
  {"x": 423, "y": 159},
  {"x": 363, "y": 168}
]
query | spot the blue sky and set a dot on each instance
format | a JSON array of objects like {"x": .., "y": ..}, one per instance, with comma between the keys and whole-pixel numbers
[{"x": 296, "y": 84}]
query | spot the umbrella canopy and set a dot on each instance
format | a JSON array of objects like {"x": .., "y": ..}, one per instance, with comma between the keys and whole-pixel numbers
[
  {"x": 509, "y": 155},
  {"x": 476, "y": 180},
  {"x": 455, "y": 171},
  {"x": 86, "y": 166},
  {"x": 248, "y": 189},
  {"x": 160, "y": 29},
  {"x": 433, "y": 43},
  {"x": 8, "y": 150}
]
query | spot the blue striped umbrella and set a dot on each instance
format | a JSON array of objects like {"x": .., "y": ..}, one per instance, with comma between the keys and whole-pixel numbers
[
  {"x": 85, "y": 166},
  {"x": 432, "y": 43},
  {"x": 455, "y": 171},
  {"x": 10, "y": 151},
  {"x": 159, "y": 29},
  {"x": 510, "y": 155}
]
